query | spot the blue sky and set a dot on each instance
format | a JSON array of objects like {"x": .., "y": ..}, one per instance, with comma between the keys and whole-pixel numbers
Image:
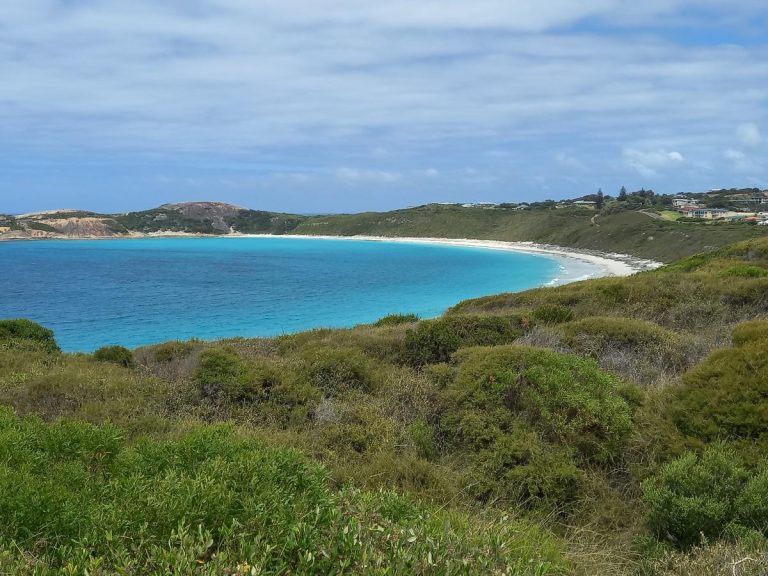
[{"x": 350, "y": 105}]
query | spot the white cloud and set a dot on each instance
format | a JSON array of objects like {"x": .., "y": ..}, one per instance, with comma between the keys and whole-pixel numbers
[
  {"x": 431, "y": 173},
  {"x": 351, "y": 175},
  {"x": 749, "y": 134},
  {"x": 735, "y": 155},
  {"x": 309, "y": 86},
  {"x": 649, "y": 163},
  {"x": 740, "y": 161}
]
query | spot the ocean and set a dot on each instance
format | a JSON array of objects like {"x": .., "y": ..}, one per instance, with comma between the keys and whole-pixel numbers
[{"x": 136, "y": 292}]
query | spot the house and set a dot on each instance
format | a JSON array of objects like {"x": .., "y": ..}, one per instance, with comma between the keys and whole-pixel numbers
[
  {"x": 681, "y": 201},
  {"x": 704, "y": 213},
  {"x": 585, "y": 203},
  {"x": 480, "y": 205}
]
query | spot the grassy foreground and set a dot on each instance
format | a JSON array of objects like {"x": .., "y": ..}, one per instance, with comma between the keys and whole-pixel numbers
[{"x": 614, "y": 426}]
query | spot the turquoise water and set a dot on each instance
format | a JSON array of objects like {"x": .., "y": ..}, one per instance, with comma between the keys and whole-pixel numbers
[{"x": 137, "y": 292}]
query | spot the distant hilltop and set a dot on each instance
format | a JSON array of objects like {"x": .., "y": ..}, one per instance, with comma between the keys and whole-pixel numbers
[
  {"x": 642, "y": 223},
  {"x": 193, "y": 218}
]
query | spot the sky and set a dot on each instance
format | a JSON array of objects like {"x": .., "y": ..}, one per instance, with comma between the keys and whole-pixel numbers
[{"x": 350, "y": 105}]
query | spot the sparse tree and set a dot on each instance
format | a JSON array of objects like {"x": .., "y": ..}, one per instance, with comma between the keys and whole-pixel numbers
[
  {"x": 623, "y": 194},
  {"x": 600, "y": 201}
]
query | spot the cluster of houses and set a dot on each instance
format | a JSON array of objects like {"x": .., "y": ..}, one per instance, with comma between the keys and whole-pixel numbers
[{"x": 692, "y": 208}]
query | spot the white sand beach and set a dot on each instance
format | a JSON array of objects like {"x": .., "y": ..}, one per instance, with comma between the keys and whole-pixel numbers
[{"x": 574, "y": 264}]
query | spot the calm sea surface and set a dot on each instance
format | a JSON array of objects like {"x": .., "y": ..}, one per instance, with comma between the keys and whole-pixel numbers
[{"x": 137, "y": 292}]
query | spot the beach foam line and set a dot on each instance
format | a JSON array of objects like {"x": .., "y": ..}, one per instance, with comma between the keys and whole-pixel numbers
[{"x": 608, "y": 264}]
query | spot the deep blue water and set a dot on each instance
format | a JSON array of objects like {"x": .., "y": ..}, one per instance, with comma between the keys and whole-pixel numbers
[{"x": 137, "y": 292}]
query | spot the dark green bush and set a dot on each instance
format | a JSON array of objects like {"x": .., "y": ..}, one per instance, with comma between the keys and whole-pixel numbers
[
  {"x": 566, "y": 399},
  {"x": 26, "y": 334},
  {"x": 434, "y": 341},
  {"x": 223, "y": 374},
  {"x": 337, "y": 371},
  {"x": 697, "y": 496},
  {"x": 520, "y": 467},
  {"x": 115, "y": 354},
  {"x": 529, "y": 417},
  {"x": 396, "y": 320},
  {"x": 552, "y": 314},
  {"x": 726, "y": 396},
  {"x": 748, "y": 332},
  {"x": 170, "y": 351}
]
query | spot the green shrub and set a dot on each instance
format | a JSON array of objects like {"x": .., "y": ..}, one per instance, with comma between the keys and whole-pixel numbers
[
  {"x": 522, "y": 468},
  {"x": 566, "y": 399},
  {"x": 338, "y": 371},
  {"x": 744, "y": 271},
  {"x": 117, "y": 355},
  {"x": 530, "y": 417},
  {"x": 423, "y": 436},
  {"x": 434, "y": 341},
  {"x": 77, "y": 499},
  {"x": 600, "y": 335},
  {"x": 726, "y": 396},
  {"x": 26, "y": 333},
  {"x": 223, "y": 374},
  {"x": 170, "y": 351},
  {"x": 552, "y": 314},
  {"x": 697, "y": 496},
  {"x": 396, "y": 320},
  {"x": 748, "y": 332}
]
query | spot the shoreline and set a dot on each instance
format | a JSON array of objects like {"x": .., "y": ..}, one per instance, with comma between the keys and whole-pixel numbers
[
  {"x": 603, "y": 264},
  {"x": 610, "y": 264}
]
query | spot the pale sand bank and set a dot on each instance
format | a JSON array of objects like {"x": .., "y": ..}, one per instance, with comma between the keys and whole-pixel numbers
[
  {"x": 575, "y": 264},
  {"x": 600, "y": 264}
]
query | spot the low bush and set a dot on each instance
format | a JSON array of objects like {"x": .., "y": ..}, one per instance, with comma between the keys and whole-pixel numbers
[
  {"x": 224, "y": 375},
  {"x": 702, "y": 496},
  {"x": 748, "y": 332},
  {"x": 27, "y": 334},
  {"x": 77, "y": 499},
  {"x": 744, "y": 271},
  {"x": 174, "y": 350},
  {"x": 434, "y": 341},
  {"x": 520, "y": 467},
  {"x": 726, "y": 396},
  {"x": 552, "y": 314},
  {"x": 566, "y": 399},
  {"x": 638, "y": 341},
  {"x": 396, "y": 320},
  {"x": 116, "y": 355},
  {"x": 337, "y": 371},
  {"x": 530, "y": 417}
]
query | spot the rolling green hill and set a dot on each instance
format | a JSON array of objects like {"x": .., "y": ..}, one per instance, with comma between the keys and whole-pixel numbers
[{"x": 625, "y": 231}]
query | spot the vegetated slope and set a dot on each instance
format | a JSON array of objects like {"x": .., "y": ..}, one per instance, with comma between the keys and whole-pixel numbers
[
  {"x": 628, "y": 232},
  {"x": 623, "y": 231},
  {"x": 207, "y": 218},
  {"x": 596, "y": 428},
  {"x": 214, "y": 218}
]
